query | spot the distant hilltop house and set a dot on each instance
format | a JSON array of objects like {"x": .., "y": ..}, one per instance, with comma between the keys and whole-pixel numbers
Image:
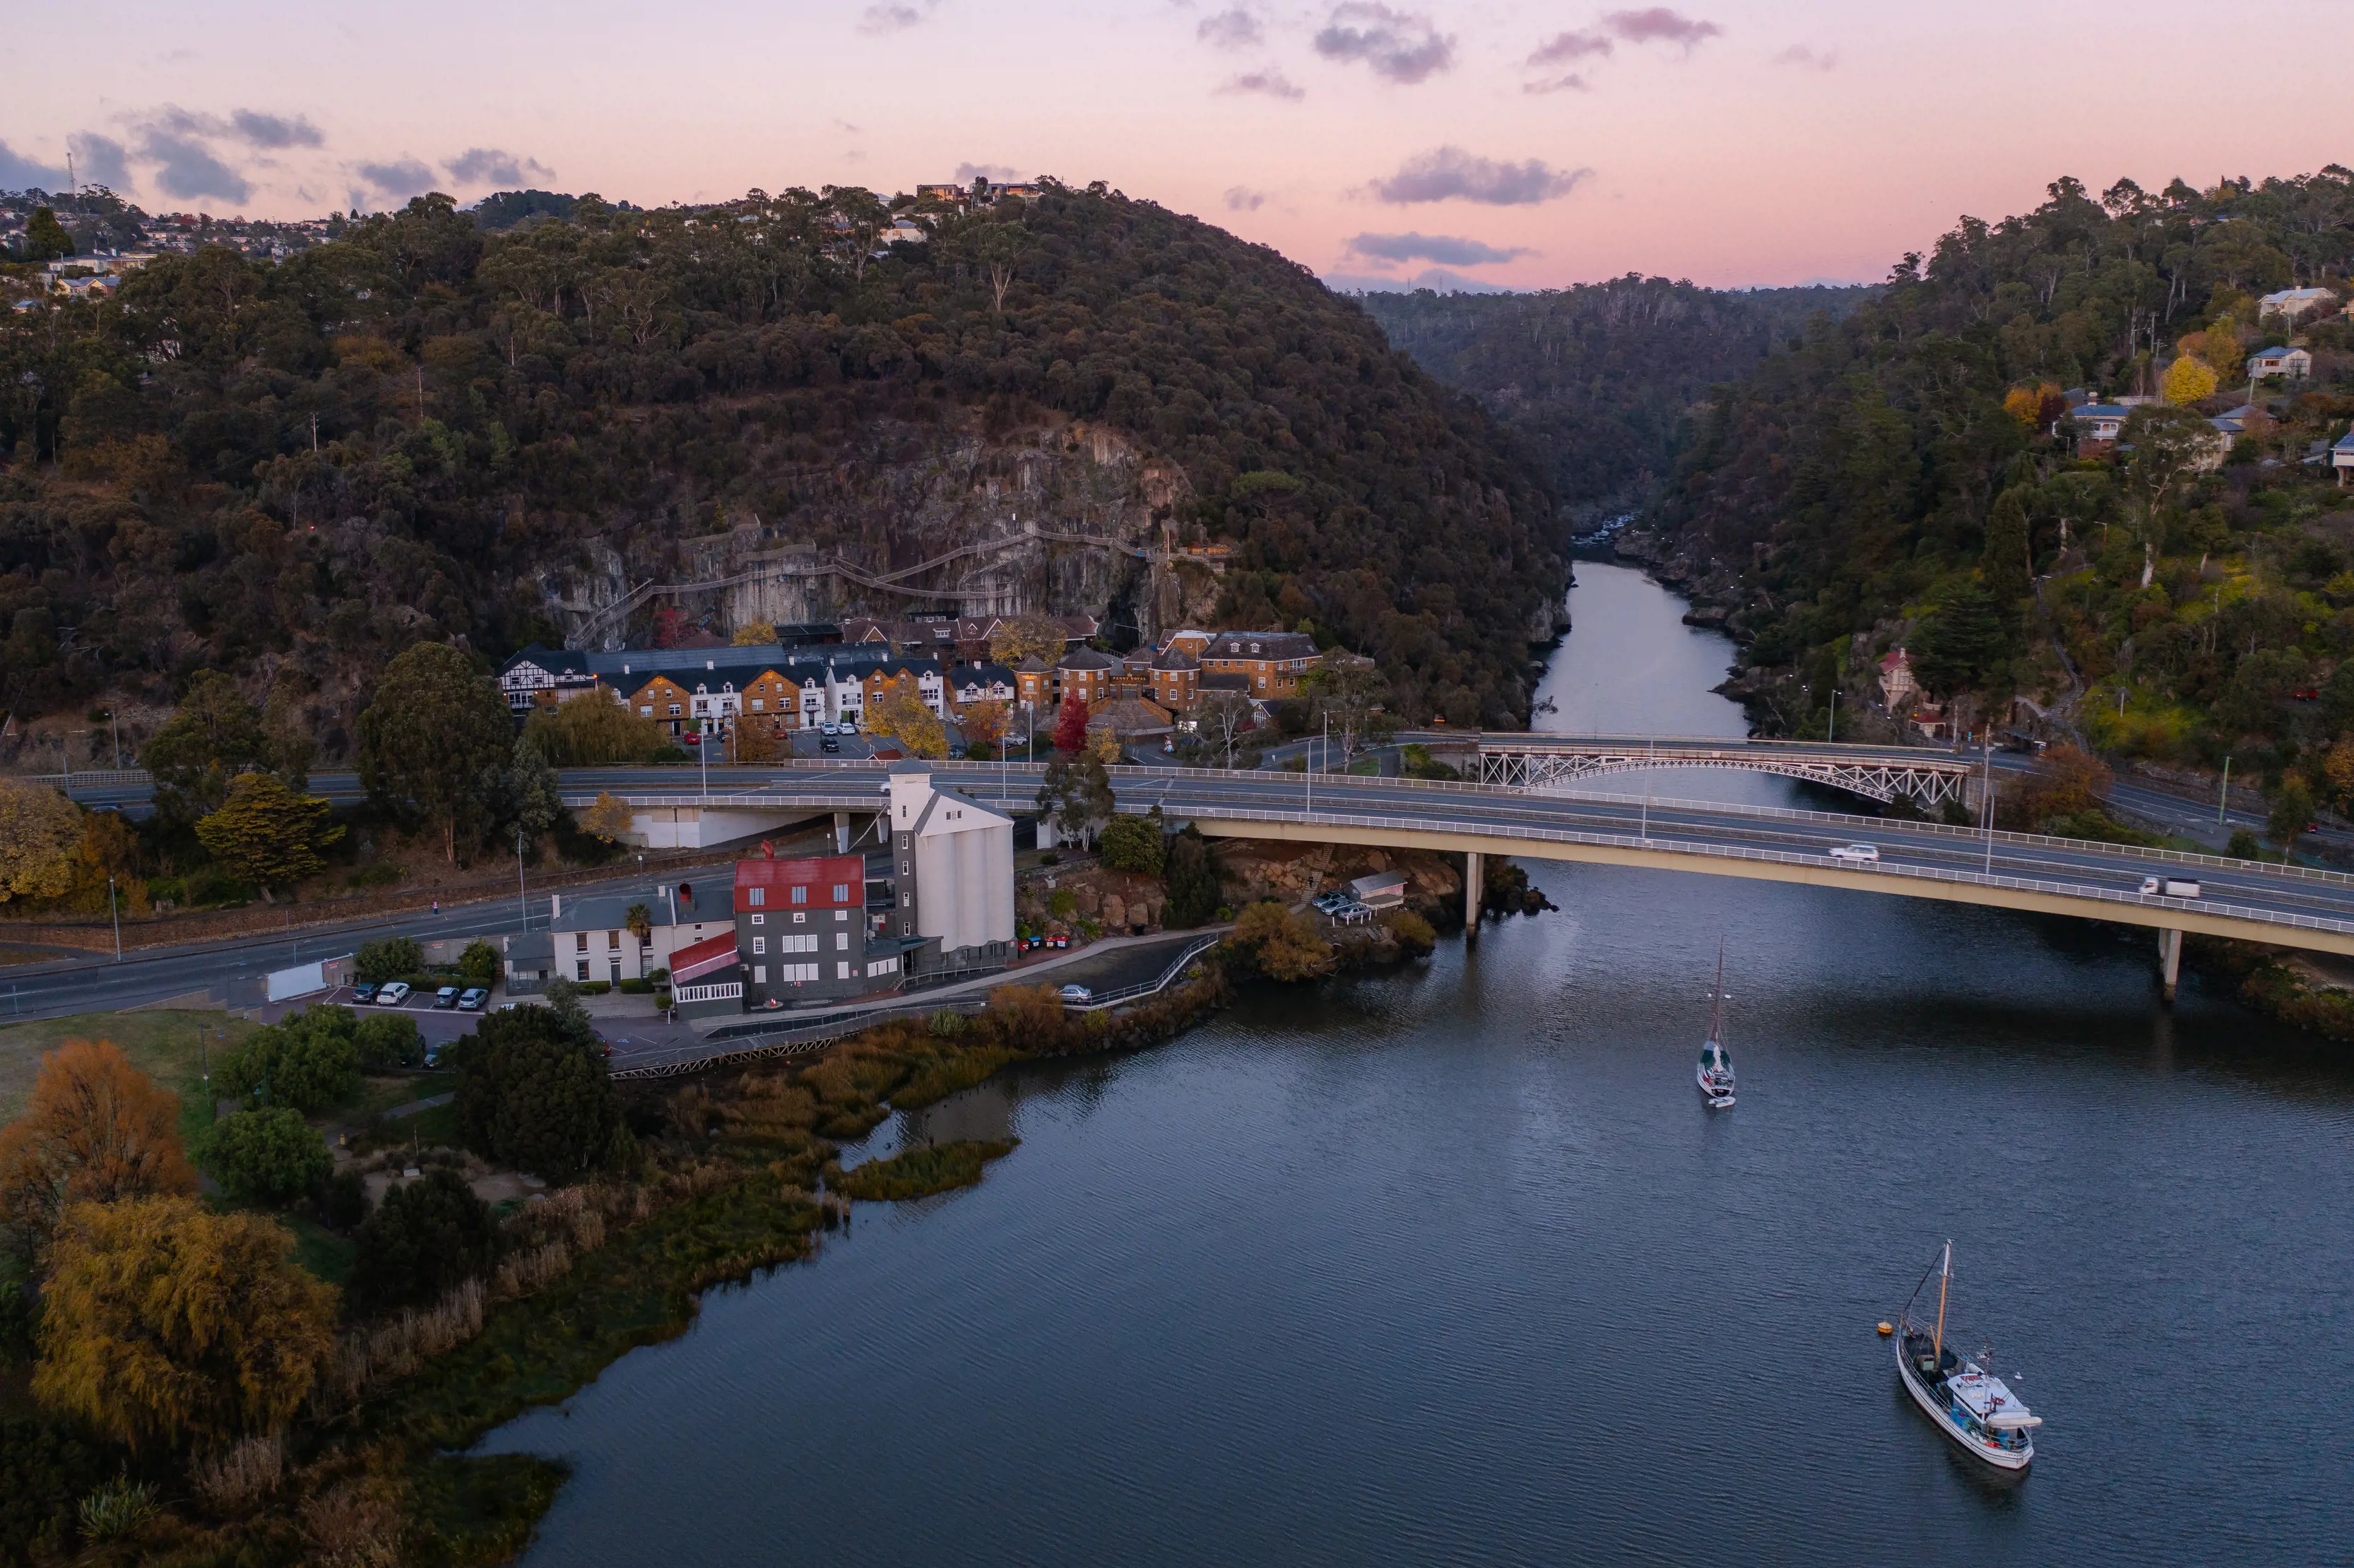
[
  {"x": 2099, "y": 421},
  {"x": 1898, "y": 685},
  {"x": 2341, "y": 457},
  {"x": 2293, "y": 364},
  {"x": 2292, "y": 303}
]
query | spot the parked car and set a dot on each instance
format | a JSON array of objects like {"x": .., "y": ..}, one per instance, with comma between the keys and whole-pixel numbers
[
  {"x": 828, "y": 727},
  {"x": 433, "y": 1053},
  {"x": 2168, "y": 887},
  {"x": 446, "y": 998},
  {"x": 364, "y": 991},
  {"x": 393, "y": 995},
  {"x": 1855, "y": 851},
  {"x": 827, "y": 743},
  {"x": 1076, "y": 994},
  {"x": 472, "y": 1002}
]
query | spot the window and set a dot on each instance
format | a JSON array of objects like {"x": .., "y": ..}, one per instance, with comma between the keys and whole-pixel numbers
[
  {"x": 797, "y": 974},
  {"x": 903, "y": 868},
  {"x": 758, "y": 918},
  {"x": 759, "y": 974},
  {"x": 759, "y": 945},
  {"x": 841, "y": 892},
  {"x": 883, "y": 967},
  {"x": 800, "y": 918},
  {"x": 646, "y": 710},
  {"x": 755, "y": 896},
  {"x": 800, "y": 895},
  {"x": 673, "y": 710},
  {"x": 759, "y": 704},
  {"x": 842, "y": 914},
  {"x": 612, "y": 941},
  {"x": 579, "y": 942},
  {"x": 842, "y": 941},
  {"x": 583, "y": 967},
  {"x": 842, "y": 970}
]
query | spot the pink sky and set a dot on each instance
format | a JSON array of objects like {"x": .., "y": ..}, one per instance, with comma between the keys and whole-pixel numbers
[{"x": 1726, "y": 141}]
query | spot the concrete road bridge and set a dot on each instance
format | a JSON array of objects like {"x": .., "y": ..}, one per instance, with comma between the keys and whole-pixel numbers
[
  {"x": 2293, "y": 907},
  {"x": 1929, "y": 778}
]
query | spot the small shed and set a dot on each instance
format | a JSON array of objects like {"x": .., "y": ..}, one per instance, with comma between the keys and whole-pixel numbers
[{"x": 1382, "y": 890}]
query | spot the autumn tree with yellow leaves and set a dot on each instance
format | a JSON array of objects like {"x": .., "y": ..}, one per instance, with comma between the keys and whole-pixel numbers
[
  {"x": 96, "y": 1131},
  {"x": 899, "y": 712}
]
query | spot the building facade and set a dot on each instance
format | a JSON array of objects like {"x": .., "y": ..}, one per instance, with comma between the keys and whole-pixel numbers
[{"x": 952, "y": 874}]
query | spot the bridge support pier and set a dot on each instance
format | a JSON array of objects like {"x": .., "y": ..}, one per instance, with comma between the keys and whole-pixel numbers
[
  {"x": 841, "y": 832},
  {"x": 2169, "y": 958},
  {"x": 1475, "y": 892}
]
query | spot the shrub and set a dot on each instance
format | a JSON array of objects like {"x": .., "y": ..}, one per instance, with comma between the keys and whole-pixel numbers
[
  {"x": 383, "y": 1040},
  {"x": 479, "y": 964},
  {"x": 658, "y": 977},
  {"x": 388, "y": 958},
  {"x": 2245, "y": 845},
  {"x": 268, "y": 1156},
  {"x": 45, "y": 1466},
  {"x": 533, "y": 1092},
  {"x": 1412, "y": 932},
  {"x": 920, "y": 1173},
  {"x": 422, "y": 1240},
  {"x": 343, "y": 1202},
  {"x": 120, "y": 1508},
  {"x": 594, "y": 988},
  {"x": 382, "y": 873},
  {"x": 636, "y": 987},
  {"x": 1135, "y": 843},
  {"x": 1192, "y": 880},
  {"x": 213, "y": 886},
  {"x": 309, "y": 1059},
  {"x": 1062, "y": 904},
  {"x": 1281, "y": 942}
]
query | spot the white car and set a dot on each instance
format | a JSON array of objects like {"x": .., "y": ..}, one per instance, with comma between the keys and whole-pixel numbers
[
  {"x": 1076, "y": 993},
  {"x": 1855, "y": 851},
  {"x": 393, "y": 995}
]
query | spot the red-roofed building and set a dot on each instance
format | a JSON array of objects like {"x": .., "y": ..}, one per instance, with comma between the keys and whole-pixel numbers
[
  {"x": 706, "y": 971},
  {"x": 802, "y": 931}
]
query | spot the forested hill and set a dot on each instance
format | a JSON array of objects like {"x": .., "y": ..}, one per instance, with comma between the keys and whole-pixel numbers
[
  {"x": 1909, "y": 475},
  {"x": 291, "y": 472},
  {"x": 1598, "y": 380}
]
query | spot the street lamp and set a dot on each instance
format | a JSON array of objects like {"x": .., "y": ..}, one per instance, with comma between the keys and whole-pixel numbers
[{"x": 115, "y": 910}]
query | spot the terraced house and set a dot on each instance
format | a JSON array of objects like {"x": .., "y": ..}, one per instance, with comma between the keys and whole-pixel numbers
[{"x": 1272, "y": 662}]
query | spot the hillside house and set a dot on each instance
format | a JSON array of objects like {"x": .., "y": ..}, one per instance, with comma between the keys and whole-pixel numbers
[
  {"x": 542, "y": 677},
  {"x": 2099, "y": 421},
  {"x": 2341, "y": 458},
  {"x": 2290, "y": 364},
  {"x": 985, "y": 682},
  {"x": 1273, "y": 661},
  {"x": 1898, "y": 685},
  {"x": 1086, "y": 673},
  {"x": 2291, "y": 305}
]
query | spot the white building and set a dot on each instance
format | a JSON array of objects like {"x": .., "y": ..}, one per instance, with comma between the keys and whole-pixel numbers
[
  {"x": 2292, "y": 303},
  {"x": 952, "y": 860}
]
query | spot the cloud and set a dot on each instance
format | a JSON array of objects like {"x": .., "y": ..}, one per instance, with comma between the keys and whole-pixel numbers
[
  {"x": 879, "y": 21},
  {"x": 1270, "y": 81},
  {"x": 1001, "y": 174},
  {"x": 1400, "y": 46},
  {"x": 1438, "y": 278},
  {"x": 275, "y": 131},
  {"x": 494, "y": 166},
  {"x": 99, "y": 160},
  {"x": 1659, "y": 25},
  {"x": 399, "y": 180},
  {"x": 1234, "y": 29},
  {"x": 1800, "y": 54},
  {"x": 1241, "y": 198},
  {"x": 1448, "y": 174},
  {"x": 188, "y": 168},
  {"x": 1572, "y": 82},
  {"x": 1565, "y": 47},
  {"x": 1450, "y": 249},
  {"x": 18, "y": 173}
]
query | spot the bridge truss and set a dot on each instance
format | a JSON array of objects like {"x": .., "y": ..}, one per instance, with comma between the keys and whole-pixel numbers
[{"x": 1929, "y": 782}]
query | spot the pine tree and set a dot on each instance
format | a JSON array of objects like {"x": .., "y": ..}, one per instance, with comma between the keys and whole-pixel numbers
[
  {"x": 2003, "y": 560},
  {"x": 265, "y": 833}
]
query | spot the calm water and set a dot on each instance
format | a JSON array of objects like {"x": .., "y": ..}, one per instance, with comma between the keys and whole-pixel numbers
[{"x": 1451, "y": 1266}]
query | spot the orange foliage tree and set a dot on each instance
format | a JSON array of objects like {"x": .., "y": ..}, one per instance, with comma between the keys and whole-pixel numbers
[
  {"x": 984, "y": 723},
  {"x": 164, "y": 1324},
  {"x": 98, "y": 1130}
]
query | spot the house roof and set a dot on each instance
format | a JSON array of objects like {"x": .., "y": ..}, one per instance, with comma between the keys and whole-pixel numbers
[
  {"x": 1897, "y": 660},
  {"x": 2099, "y": 411},
  {"x": 1225, "y": 681},
  {"x": 2290, "y": 296},
  {"x": 828, "y": 871},
  {"x": 1130, "y": 716},
  {"x": 2278, "y": 352},
  {"x": 2344, "y": 444},
  {"x": 947, "y": 812},
  {"x": 611, "y": 911},
  {"x": 533, "y": 949},
  {"x": 989, "y": 673},
  {"x": 1087, "y": 659},
  {"x": 1174, "y": 658},
  {"x": 1260, "y": 646},
  {"x": 690, "y": 964},
  {"x": 554, "y": 661}
]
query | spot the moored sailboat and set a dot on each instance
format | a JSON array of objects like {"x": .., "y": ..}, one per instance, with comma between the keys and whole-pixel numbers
[
  {"x": 1971, "y": 1405},
  {"x": 1715, "y": 1072}
]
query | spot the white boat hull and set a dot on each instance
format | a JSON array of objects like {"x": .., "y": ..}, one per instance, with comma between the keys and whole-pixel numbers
[{"x": 1950, "y": 1423}]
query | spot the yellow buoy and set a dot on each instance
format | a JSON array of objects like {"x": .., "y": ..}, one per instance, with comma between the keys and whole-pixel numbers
[{"x": 1886, "y": 1329}]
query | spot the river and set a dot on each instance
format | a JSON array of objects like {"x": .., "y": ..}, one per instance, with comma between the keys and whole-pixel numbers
[{"x": 1450, "y": 1266}]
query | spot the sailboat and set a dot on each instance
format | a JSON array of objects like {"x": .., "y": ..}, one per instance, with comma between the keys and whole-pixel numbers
[
  {"x": 1715, "y": 1074},
  {"x": 1969, "y": 1403}
]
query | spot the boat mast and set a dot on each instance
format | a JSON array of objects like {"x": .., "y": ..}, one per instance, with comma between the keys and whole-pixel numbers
[
  {"x": 1716, "y": 998},
  {"x": 1945, "y": 1273}
]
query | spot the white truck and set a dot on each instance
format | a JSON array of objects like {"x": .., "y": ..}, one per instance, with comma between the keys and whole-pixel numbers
[{"x": 2168, "y": 887}]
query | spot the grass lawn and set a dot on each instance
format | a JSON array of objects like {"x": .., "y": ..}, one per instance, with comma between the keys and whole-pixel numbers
[{"x": 163, "y": 1045}]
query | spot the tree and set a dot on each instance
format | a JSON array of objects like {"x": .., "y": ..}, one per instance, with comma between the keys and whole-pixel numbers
[
  {"x": 590, "y": 732},
  {"x": 264, "y": 833},
  {"x": 479, "y": 964},
  {"x": 426, "y": 1237},
  {"x": 267, "y": 1155},
  {"x": 95, "y": 1129},
  {"x": 1193, "y": 878},
  {"x": 388, "y": 958},
  {"x": 2187, "y": 380},
  {"x": 1071, "y": 725},
  {"x": 2292, "y": 810},
  {"x": 166, "y": 1323},
  {"x": 609, "y": 817},
  {"x": 1959, "y": 642},
  {"x": 1282, "y": 943},
  {"x": 2004, "y": 560},
  {"x": 2338, "y": 769},
  {"x": 754, "y": 634},
  {"x": 534, "y": 792},
  {"x": 1136, "y": 843},
  {"x": 45, "y": 239},
  {"x": 309, "y": 1059},
  {"x": 1353, "y": 694},
  {"x": 436, "y": 743},
  {"x": 212, "y": 736},
  {"x": 39, "y": 830},
  {"x": 640, "y": 921},
  {"x": 533, "y": 1092},
  {"x": 1222, "y": 718},
  {"x": 900, "y": 713},
  {"x": 1077, "y": 795},
  {"x": 1021, "y": 637},
  {"x": 387, "y": 1040},
  {"x": 984, "y": 724},
  {"x": 2168, "y": 448}
]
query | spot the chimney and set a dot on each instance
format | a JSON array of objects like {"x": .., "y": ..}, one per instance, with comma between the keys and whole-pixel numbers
[
  {"x": 686, "y": 894},
  {"x": 768, "y": 850},
  {"x": 554, "y": 906}
]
